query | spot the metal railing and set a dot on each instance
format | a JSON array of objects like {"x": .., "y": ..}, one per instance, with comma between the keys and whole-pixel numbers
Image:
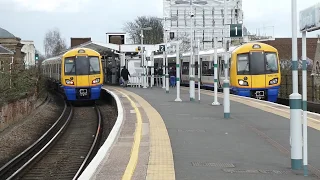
[
  {"x": 137, "y": 81},
  {"x": 313, "y": 86}
]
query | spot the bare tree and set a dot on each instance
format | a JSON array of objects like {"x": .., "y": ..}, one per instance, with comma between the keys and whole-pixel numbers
[
  {"x": 154, "y": 36},
  {"x": 53, "y": 43}
]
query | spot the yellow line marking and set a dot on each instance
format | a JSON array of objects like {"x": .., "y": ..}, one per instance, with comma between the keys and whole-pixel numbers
[
  {"x": 136, "y": 143},
  {"x": 161, "y": 164},
  {"x": 285, "y": 113}
]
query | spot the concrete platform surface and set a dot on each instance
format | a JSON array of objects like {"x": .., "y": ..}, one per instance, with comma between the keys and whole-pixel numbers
[
  {"x": 252, "y": 144},
  {"x": 140, "y": 150}
]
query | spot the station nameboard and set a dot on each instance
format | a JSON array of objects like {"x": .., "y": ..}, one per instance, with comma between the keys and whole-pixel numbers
[{"x": 309, "y": 19}]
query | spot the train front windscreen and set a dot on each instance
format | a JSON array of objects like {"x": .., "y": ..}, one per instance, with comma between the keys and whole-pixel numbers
[
  {"x": 257, "y": 63},
  {"x": 82, "y": 65}
]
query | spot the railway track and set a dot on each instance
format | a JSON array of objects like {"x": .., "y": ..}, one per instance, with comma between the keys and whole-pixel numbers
[{"x": 63, "y": 151}]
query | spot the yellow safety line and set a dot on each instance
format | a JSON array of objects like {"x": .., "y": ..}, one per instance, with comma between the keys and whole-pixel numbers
[
  {"x": 136, "y": 143},
  {"x": 161, "y": 164}
]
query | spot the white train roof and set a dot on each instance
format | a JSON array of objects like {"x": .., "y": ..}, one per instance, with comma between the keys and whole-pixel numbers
[{"x": 202, "y": 53}]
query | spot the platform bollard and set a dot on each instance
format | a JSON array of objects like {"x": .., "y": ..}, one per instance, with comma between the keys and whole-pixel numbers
[{"x": 226, "y": 99}]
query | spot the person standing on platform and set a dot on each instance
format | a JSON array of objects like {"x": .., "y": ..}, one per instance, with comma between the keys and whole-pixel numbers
[
  {"x": 172, "y": 74},
  {"x": 125, "y": 76}
]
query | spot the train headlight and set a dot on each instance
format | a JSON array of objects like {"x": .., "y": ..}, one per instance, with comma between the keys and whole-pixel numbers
[
  {"x": 273, "y": 81},
  {"x": 95, "y": 81},
  {"x": 243, "y": 83},
  {"x": 69, "y": 82}
]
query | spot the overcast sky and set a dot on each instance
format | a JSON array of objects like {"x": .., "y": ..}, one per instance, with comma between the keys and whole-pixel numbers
[{"x": 30, "y": 19}]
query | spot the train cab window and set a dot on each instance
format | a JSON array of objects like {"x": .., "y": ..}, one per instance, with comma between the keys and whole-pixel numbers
[
  {"x": 69, "y": 66},
  {"x": 257, "y": 63},
  {"x": 243, "y": 64},
  {"x": 271, "y": 62},
  {"x": 82, "y": 65},
  {"x": 94, "y": 65}
]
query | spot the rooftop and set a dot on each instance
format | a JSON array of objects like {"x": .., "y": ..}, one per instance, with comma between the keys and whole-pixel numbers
[
  {"x": 4, "y": 50},
  {"x": 5, "y": 34}
]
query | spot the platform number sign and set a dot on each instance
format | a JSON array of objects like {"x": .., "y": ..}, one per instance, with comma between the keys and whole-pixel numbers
[
  {"x": 235, "y": 30},
  {"x": 162, "y": 48}
]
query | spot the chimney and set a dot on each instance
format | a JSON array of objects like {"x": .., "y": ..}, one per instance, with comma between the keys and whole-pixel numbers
[{"x": 78, "y": 41}]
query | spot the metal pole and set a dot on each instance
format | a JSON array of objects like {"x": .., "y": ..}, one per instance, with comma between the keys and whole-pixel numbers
[
  {"x": 304, "y": 103},
  {"x": 199, "y": 85},
  {"x": 178, "y": 99},
  {"x": 215, "y": 65},
  {"x": 152, "y": 68},
  {"x": 147, "y": 71},
  {"x": 141, "y": 54},
  {"x": 295, "y": 99},
  {"x": 226, "y": 90},
  {"x": 191, "y": 75},
  {"x": 143, "y": 62},
  {"x": 164, "y": 63},
  {"x": 167, "y": 65}
]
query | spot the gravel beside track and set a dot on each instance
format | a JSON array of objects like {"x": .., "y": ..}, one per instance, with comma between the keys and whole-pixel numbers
[
  {"x": 21, "y": 135},
  {"x": 67, "y": 155}
]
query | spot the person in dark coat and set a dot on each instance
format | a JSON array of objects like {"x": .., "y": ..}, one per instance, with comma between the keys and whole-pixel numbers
[{"x": 125, "y": 76}]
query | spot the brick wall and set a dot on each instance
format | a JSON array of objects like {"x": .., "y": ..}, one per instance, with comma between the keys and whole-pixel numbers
[
  {"x": 284, "y": 46},
  {"x": 14, "y": 112}
]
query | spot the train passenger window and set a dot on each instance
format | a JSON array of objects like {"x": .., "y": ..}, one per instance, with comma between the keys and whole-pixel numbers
[
  {"x": 243, "y": 64},
  {"x": 69, "y": 66},
  {"x": 271, "y": 62},
  {"x": 94, "y": 65}
]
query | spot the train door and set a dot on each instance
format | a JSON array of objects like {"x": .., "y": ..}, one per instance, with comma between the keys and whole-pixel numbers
[
  {"x": 82, "y": 69},
  {"x": 257, "y": 68}
]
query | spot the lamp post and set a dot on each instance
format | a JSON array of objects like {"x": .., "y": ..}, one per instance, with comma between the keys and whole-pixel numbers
[
  {"x": 295, "y": 98},
  {"x": 192, "y": 66},
  {"x": 226, "y": 83},
  {"x": 143, "y": 57}
]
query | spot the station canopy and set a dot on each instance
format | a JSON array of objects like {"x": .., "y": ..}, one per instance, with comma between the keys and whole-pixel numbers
[{"x": 105, "y": 49}]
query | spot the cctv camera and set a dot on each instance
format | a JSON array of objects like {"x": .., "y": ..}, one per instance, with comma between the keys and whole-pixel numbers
[{"x": 192, "y": 14}]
